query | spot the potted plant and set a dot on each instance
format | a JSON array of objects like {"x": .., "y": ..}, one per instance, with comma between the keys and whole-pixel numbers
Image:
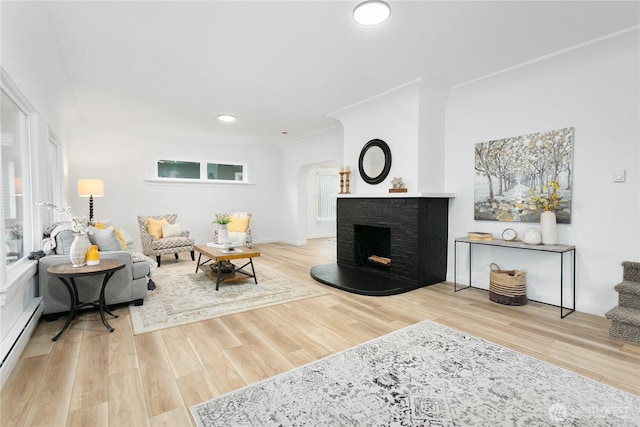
[{"x": 223, "y": 233}]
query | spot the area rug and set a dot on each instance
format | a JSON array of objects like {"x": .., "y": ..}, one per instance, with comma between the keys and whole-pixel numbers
[
  {"x": 423, "y": 375},
  {"x": 183, "y": 296}
]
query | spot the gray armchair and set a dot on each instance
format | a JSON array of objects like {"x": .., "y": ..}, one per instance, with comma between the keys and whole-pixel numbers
[{"x": 173, "y": 244}]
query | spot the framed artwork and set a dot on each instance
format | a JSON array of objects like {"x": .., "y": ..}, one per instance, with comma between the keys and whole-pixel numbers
[{"x": 511, "y": 174}]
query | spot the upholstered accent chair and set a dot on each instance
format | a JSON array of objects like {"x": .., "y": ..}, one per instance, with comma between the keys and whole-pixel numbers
[
  {"x": 161, "y": 235},
  {"x": 239, "y": 228}
]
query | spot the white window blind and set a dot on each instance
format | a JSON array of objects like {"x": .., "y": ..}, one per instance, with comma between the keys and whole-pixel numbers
[{"x": 326, "y": 196}]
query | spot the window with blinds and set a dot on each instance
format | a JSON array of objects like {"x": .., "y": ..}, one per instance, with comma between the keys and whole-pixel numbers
[{"x": 326, "y": 195}]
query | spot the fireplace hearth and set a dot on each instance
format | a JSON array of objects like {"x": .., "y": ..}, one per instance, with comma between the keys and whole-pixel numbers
[{"x": 407, "y": 236}]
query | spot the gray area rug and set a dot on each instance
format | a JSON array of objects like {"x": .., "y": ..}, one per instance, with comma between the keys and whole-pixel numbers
[
  {"x": 183, "y": 296},
  {"x": 423, "y": 375}
]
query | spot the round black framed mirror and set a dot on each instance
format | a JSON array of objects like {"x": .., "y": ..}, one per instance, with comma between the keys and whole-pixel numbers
[{"x": 375, "y": 161}]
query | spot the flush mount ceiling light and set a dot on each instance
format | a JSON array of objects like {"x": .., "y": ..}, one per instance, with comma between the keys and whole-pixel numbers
[
  {"x": 371, "y": 12},
  {"x": 226, "y": 118}
]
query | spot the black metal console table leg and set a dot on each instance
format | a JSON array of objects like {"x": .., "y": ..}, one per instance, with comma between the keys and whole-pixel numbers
[
  {"x": 71, "y": 287},
  {"x": 102, "y": 303},
  {"x": 455, "y": 268},
  {"x": 564, "y": 314}
]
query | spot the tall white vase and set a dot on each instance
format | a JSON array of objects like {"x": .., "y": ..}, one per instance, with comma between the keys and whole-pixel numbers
[
  {"x": 78, "y": 249},
  {"x": 548, "y": 228},
  {"x": 223, "y": 233}
]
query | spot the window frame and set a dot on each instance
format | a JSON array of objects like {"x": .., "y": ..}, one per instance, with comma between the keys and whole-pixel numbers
[
  {"x": 203, "y": 179},
  {"x": 12, "y": 275},
  {"x": 56, "y": 167}
]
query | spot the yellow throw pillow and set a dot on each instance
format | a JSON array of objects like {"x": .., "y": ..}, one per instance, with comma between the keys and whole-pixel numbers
[
  {"x": 155, "y": 227},
  {"x": 238, "y": 224},
  {"x": 121, "y": 238}
]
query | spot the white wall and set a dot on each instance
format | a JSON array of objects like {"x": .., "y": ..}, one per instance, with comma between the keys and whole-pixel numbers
[
  {"x": 430, "y": 158},
  {"x": 124, "y": 159},
  {"x": 392, "y": 117},
  {"x": 411, "y": 120},
  {"x": 594, "y": 89},
  {"x": 27, "y": 51}
]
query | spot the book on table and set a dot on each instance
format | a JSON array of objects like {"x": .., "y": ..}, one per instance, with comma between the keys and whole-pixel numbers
[
  {"x": 223, "y": 245},
  {"x": 231, "y": 250},
  {"x": 479, "y": 235}
]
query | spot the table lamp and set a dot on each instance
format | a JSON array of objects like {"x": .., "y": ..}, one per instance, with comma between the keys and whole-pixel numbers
[{"x": 90, "y": 188}]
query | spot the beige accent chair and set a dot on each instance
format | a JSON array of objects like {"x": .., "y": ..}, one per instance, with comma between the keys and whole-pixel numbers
[
  {"x": 164, "y": 245},
  {"x": 237, "y": 235}
]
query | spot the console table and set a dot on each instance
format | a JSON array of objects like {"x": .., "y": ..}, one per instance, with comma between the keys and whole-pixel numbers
[{"x": 562, "y": 250}]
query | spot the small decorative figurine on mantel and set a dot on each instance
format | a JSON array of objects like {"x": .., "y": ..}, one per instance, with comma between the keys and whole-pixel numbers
[{"x": 397, "y": 186}]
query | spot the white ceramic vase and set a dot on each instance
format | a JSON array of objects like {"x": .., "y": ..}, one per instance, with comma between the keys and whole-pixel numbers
[
  {"x": 223, "y": 233},
  {"x": 78, "y": 249},
  {"x": 548, "y": 228}
]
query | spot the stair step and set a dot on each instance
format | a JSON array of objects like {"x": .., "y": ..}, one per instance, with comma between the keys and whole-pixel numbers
[
  {"x": 625, "y": 331},
  {"x": 626, "y": 315},
  {"x": 628, "y": 287},
  {"x": 625, "y": 324},
  {"x": 631, "y": 271},
  {"x": 628, "y": 294}
]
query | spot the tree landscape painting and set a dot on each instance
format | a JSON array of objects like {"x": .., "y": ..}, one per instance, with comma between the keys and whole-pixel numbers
[{"x": 514, "y": 174}]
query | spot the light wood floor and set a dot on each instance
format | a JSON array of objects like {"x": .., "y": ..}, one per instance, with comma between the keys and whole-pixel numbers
[{"x": 93, "y": 378}]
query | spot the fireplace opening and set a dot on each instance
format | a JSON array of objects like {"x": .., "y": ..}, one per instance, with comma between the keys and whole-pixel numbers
[{"x": 372, "y": 247}]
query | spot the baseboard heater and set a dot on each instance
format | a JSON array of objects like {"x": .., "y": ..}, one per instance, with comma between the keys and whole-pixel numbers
[{"x": 18, "y": 337}]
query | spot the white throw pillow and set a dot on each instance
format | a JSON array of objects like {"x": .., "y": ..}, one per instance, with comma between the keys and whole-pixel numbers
[{"x": 170, "y": 230}]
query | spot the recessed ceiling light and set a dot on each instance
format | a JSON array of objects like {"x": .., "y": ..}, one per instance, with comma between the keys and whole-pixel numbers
[
  {"x": 371, "y": 12},
  {"x": 226, "y": 118}
]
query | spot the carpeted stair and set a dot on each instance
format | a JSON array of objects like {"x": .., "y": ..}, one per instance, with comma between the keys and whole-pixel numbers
[{"x": 625, "y": 318}]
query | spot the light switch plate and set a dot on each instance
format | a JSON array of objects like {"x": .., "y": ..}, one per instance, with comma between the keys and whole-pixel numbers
[{"x": 619, "y": 175}]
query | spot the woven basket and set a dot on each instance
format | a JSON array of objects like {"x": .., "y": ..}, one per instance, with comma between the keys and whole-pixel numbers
[{"x": 507, "y": 287}]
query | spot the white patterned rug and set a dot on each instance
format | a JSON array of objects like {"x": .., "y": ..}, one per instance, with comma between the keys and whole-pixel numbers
[
  {"x": 423, "y": 375},
  {"x": 183, "y": 296}
]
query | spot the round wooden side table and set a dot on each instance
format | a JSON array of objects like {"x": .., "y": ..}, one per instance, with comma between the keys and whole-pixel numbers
[{"x": 67, "y": 275}]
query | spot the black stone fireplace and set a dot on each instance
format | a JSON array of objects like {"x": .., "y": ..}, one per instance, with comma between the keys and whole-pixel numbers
[{"x": 388, "y": 245}]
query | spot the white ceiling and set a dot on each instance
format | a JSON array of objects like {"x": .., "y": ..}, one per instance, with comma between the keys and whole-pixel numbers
[{"x": 277, "y": 66}]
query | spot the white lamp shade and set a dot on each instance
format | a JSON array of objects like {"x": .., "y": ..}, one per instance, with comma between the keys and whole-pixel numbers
[
  {"x": 371, "y": 12},
  {"x": 90, "y": 187}
]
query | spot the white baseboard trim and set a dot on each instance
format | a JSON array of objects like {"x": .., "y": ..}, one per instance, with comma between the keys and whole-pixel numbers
[
  {"x": 321, "y": 236},
  {"x": 18, "y": 337}
]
